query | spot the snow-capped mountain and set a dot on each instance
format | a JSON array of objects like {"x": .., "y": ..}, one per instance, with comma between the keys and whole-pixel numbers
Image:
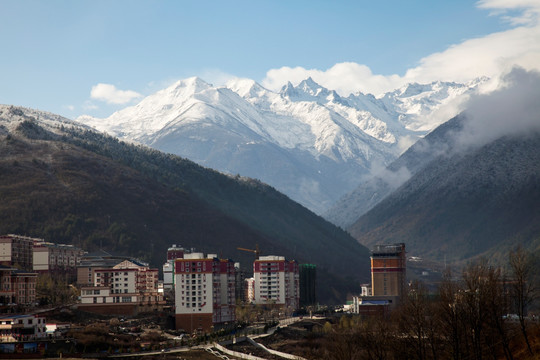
[{"x": 307, "y": 141}]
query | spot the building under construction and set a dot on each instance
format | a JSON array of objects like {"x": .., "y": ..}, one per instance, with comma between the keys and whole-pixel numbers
[
  {"x": 388, "y": 270},
  {"x": 308, "y": 280}
]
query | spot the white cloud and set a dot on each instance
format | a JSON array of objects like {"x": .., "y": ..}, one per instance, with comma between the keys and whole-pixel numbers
[
  {"x": 512, "y": 109},
  {"x": 111, "y": 95},
  {"x": 489, "y": 55},
  {"x": 346, "y": 78},
  {"x": 528, "y": 10}
]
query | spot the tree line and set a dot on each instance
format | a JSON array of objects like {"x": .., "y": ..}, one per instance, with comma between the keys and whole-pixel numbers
[{"x": 482, "y": 314}]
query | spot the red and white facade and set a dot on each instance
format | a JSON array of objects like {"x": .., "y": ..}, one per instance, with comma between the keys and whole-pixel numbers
[
  {"x": 173, "y": 253},
  {"x": 17, "y": 286},
  {"x": 204, "y": 292},
  {"x": 126, "y": 285},
  {"x": 276, "y": 281}
]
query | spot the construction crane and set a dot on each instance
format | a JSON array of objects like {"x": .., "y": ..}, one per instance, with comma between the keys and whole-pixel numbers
[{"x": 256, "y": 251}]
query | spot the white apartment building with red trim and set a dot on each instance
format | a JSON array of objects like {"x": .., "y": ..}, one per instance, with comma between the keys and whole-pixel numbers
[
  {"x": 276, "y": 282},
  {"x": 204, "y": 292}
]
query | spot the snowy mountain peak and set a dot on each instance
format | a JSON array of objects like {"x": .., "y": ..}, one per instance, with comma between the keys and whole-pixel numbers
[
  {"x": 294, "y": 140},
  {"x": 307, "y": 90},
  {"x": 190, "y": 85},
  {"x": 309, "y": 86},
  {"x": 288, "y": 90},
  {"x": 246, "y": 88}
]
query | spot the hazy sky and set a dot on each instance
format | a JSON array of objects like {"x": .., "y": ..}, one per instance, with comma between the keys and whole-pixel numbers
[{"x": 94, "y": 57}]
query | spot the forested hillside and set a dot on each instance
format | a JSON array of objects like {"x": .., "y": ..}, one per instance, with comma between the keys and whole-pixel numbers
[{"x": 68, "y": 184}]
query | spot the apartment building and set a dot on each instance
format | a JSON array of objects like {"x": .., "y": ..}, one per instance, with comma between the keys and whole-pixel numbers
[
  {"x": 276, "y": 282},
  {"x": 56, "y": 259},
  {"x": 100, "y": 259},
  {"x": 204, "y": 292},
  {"x": 17, "y": 251},
  {"x": 173, "y": 253},
  {"x": 126, "y": 288},
  {"x": 17, "y": 286}
]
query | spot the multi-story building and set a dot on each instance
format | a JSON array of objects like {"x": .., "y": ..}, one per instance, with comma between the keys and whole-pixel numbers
[
  {"x": 276, "y": 282},
  {"x": 126, "y": 288},
  {"x": 17, "y": 251},
  {"x": 22, "y": 327},
  {"x": 388, "y": 281},
  {"x": 204, "y": 292},
  {"x": 173, "y": 253},
  {"x": 388, "y": 270},
  {"x": 308, "y": 281},
  {"x": 240, "y": 276},
  {"x": 17, "y": 286},
  {"x": 56, "y": 259},
  {"x": 99, "y": 260}
]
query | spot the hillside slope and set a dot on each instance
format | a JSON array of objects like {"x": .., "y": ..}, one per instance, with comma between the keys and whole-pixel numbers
[
  {"x": 475, "y": 189},
  {"x": 306, "y": 141},
  {"x": 378, "y": 184},
  {"x": 69, "y": 184},
  {"x": 481, "y": 202}
]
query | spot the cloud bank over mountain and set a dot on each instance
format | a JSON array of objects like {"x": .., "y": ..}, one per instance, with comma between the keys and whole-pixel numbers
[
  {"x": 489, "y": 55},
  {"x": 512, "y": 109}
]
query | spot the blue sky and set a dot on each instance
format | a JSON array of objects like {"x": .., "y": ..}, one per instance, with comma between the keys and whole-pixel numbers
[{"x": 54, "y": 52}]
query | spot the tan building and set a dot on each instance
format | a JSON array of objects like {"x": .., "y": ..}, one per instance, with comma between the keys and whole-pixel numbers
[{"x": 388, "y": 270}]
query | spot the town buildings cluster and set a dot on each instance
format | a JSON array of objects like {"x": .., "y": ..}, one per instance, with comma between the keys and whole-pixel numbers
[
  {"x": 203, "y": 290},
  {"x": 207, "y": 288},
  {"x": 22, "y": 258}
]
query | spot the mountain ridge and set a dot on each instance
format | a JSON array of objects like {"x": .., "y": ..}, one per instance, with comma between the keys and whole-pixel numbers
[
  {"x": 68, "y": 183},
  {"x": 313, "y": 132},
  {"x": 481, "y": 202}
]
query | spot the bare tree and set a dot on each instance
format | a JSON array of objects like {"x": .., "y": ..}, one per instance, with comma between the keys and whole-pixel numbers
[
  {"x": 450, "y": 312},
  {"x": 417, "y": 324},
  {"x": 523, "y": 287}
]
